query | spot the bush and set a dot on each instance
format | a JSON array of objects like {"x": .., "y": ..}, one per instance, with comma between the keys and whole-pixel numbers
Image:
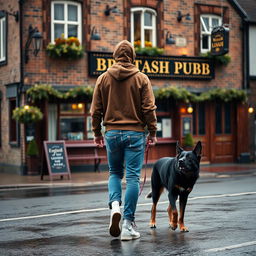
[
  {"x": 32, "y": 148},
  {"x": 188, "y": 141}
]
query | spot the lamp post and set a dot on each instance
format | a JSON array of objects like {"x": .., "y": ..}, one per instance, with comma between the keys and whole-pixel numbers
[{"x": 33, "y": 36}]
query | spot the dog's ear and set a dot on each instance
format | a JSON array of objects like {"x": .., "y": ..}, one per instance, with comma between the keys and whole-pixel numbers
[
  {"x": 178, "y": 148},
  {"x": 198, "y": 149}
]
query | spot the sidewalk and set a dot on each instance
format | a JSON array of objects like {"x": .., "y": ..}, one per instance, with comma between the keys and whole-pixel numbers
[{"x": 98, "y": 178}]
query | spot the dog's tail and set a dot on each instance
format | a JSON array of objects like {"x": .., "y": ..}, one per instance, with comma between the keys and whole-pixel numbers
[{"x": 149, "y": 195}]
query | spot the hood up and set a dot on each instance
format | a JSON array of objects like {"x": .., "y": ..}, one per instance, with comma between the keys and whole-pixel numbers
[{"x": 124, "y": 55}]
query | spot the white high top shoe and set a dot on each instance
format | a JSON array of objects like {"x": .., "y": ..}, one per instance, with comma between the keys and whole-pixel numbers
[
  {"x": 128, "y": 233},
  {"x": 115, "y": 217}
]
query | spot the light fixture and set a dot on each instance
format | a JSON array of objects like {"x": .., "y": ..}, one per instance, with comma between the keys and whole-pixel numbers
[
  {"x": 14, "y": 14},
  {"x": 94, "y": 34},
  {"x": 80, "y": 105},
  {"x": 250, "y": 109},
  {"x": 169, "y": 39},
  {"x": 190, "y": 109},
  {"x": 35, "y": 35},
  {"x": 180, "y": 16},
  {"x": 110, "y": 9},
  {"x": 26, "y": 107}
]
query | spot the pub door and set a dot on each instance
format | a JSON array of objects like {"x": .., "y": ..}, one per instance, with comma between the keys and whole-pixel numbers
[{"x": 222, "y": 132}]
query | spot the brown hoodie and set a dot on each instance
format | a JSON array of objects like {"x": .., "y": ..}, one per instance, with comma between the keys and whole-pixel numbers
[{"x": 123, "y": 96}]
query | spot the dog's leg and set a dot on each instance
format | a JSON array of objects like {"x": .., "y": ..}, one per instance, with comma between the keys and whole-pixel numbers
[
  {"x": 183, "y": 203},
  {"x": 172, "y": 211},
  {"x": 155, "y": 196}
]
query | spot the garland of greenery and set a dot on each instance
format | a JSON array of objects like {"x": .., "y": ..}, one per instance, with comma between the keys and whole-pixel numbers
[
  {"x": 222, "y": 59},
  {"x": 44, "y": 92},
  {"x": 149, "y": 51}
]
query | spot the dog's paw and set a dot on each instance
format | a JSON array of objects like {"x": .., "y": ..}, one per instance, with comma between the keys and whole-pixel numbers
[
  {"x": 173, "y": 227},
  {"x": 152, "y": 226},
  {"x": 184, "y": 229}
]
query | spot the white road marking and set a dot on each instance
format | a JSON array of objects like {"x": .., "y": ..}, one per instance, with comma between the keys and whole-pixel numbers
[
  {"x": 104, "y": 209},
  {"x": 231, "y": 247}
]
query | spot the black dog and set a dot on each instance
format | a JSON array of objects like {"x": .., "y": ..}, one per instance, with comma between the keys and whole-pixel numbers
[{"x": 178, "y": 175}]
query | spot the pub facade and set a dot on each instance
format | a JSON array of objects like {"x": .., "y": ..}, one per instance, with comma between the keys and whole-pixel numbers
[{"x": 197, "y": 94}]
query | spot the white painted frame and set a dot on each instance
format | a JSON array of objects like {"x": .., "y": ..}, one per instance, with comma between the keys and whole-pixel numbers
[
  {"x": 3, "y": 39},
  {"x": 207, "y": 32},
  {"x": 143, "y": 27},
  {"x": 65, "y": 22}
]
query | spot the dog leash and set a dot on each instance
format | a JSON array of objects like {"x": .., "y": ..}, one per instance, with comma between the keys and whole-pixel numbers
[{"x": 145, "y": 173}]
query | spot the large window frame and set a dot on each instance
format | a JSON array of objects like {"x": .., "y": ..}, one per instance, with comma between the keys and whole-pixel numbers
[
  {"x": 206, "y": 29},
  {"x": 13, "y": 125},
  {"x": 3, "y": 38},
  {"x": 143, "y": 26},
  {"x": 66, "y": 22}
]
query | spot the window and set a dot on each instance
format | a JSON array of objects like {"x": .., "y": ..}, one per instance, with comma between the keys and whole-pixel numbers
[
  {"x": 3, "y": 37},
  {"x": 223, "y": 118},
  {"x": 12, "y": 122},
  {"x": 207, "y": 23},
  {"x": 66, "y": 20},
  {"x": 74, "y": 121},
  {"x": 143, "y": 26},
  {"x": 199, "y": 119}
]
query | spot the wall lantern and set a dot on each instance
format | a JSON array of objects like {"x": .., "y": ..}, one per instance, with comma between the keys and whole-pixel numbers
[
  {"x": 95, "y": 35},
  {"x": 250, "y": 109},
  {"x": 14, "y": 14},
  {"x": 110, "y": 9},
  {"x": 35, "y": 37},
  {"x": 169, "y": 39},
  {"x": 190, "y": 109},
  {"x": 180, "y": 16}
]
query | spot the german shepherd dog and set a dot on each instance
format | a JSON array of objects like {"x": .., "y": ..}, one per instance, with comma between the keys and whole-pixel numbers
[{"x": 178, "y": 175}]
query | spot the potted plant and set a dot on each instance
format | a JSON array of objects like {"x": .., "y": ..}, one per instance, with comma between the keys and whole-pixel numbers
[
  {"x": 69, "y": 48},
  {"x": 148, "y": 50},
  {"x": 188, "y": 142},
  {"x": 32, "y": 158}
]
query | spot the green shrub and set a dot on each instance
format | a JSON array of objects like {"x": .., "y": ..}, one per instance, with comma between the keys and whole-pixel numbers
[{"x": 32, "y": 148}]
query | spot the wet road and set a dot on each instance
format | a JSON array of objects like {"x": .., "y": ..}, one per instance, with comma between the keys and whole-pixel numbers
[{"x": 221, "y": 217}]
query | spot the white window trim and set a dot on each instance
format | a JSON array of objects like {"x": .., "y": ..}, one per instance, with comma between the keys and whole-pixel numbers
[
  {"x": 2, "y": 38},
  {"x": 65, "y": 21},
  {"x": 153, "y": 27},
  {"x": 210, "y": 17}
]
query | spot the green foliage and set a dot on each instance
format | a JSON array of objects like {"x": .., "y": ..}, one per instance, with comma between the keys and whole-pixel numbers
[
  {"x": 182, "y": 94},
  {"x": 32, "y": 148},
  {"x": 68, "y": 48},
  {"x": 79, "y": 92},
  {"x": 188, "y": 140},
  {"x": 149, "y": 51},
  {"x": 42, "y": 92},
  {"x": 223, "y": 59},
  {"x": 27, "y": 114}
]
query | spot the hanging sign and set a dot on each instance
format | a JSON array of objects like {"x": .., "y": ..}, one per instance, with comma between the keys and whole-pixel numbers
[
  {"x": 169, "y": 67},
  {"x": 220, "y": 41}
]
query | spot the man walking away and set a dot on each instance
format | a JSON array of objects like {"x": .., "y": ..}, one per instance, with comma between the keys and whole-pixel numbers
[{"x": 123, "y": 98}]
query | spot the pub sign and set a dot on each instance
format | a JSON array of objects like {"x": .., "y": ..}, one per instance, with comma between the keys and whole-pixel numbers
[
  {"x": 160, "y": 67},
  {"x": 219, "y": 41}
]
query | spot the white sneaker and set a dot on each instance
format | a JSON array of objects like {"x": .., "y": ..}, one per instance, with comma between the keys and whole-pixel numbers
[
  {"x": 128, "y": 233},
  {"x": 115, "y": 217}
]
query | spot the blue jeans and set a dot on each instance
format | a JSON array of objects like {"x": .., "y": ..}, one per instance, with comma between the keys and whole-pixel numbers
[{"x": 125, "y": 150}]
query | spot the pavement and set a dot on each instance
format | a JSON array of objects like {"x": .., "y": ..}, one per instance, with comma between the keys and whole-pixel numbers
[{"x": 85, "y": 179}]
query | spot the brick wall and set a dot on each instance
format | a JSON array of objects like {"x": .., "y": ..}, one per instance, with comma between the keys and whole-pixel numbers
[{"x": 10, "y": 73}]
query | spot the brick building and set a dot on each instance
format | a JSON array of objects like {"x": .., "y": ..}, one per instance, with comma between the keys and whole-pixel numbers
[{"x": 181, "y": 28}]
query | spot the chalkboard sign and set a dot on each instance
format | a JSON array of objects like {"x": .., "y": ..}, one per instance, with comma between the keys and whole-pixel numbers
[{"x": 56, "y": 157}]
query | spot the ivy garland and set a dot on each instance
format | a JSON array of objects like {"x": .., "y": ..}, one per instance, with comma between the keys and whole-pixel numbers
[{"x": 44, "y": 92}]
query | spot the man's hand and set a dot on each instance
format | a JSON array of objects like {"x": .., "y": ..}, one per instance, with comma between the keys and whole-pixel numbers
[
  {"x": 99, "y": 141},
  {"x": 151, "y": 140}
]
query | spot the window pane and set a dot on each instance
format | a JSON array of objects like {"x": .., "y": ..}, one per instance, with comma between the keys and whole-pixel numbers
[
  {"x": 227, "y": 118},
  {"x": 58, "y": 30},
  {"x": 218, "y": 119},
  {"x": 205, "y": 42},
  {"x": 148, "y": 19},
  {"x": 206, "y": 23},
  {"x": 137, "y": 26},
  {"x": 72, "y": 128},
  {"x": 215, "y": 22},
  {"x": 72, "y": 30},
  {"x": 72, "y": 13},
  {"x": 59, "y": 11},
  {"x": 72, "y": 108},
  {"x": 148, "y": 35},
  {"x": 4, "y": 39},
  {"x": 201, "y": 119},
  {"x": 164, "y": 127},
  {"x": 12, "y": 128}
]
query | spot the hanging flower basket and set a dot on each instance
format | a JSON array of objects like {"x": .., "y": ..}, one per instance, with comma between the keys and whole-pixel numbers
[
  {"x": 65, "y": 48},
  {"x": 27, "y": 114}
]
